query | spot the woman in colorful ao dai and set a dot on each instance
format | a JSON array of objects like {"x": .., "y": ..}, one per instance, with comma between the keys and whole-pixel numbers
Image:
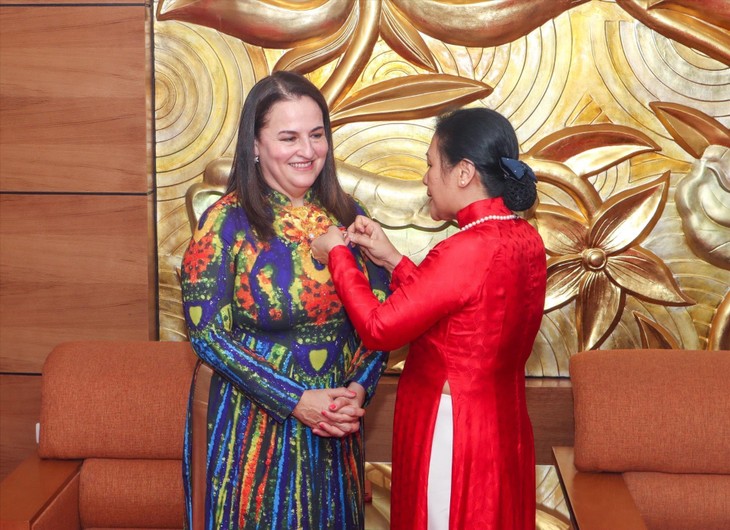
[
  {"x": 463, "y": 448},
  {"x": 290, "y": 376}
]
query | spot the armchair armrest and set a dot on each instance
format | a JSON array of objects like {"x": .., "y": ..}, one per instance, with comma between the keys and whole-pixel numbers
[
  {"x": 597, "y": 501},
  {"x": 41, "y": 491}
]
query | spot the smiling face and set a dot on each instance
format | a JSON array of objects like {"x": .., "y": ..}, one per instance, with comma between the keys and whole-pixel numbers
[
  {"x": 292, "y": 147},
  {"x": 442, "y": 185}
]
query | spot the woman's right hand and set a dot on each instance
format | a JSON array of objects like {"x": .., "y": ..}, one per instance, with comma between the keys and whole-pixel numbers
[
  {"x": 373, "y": 242},
  {"x": 313, "y": 403}
]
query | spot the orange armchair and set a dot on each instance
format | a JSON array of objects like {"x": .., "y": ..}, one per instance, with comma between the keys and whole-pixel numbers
[
  {"x": 652, "y": 441},
  {"x": 111, "y": 439}
]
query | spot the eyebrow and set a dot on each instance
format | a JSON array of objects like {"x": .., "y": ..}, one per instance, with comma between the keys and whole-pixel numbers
[{"x": 297, "y": 132}]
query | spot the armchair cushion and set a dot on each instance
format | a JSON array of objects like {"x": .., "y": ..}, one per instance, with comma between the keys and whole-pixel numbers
[
  {"x": 652, "y": 410},
  {"x": 673, "y": 501},
  {"x": 131, "y": 493}
]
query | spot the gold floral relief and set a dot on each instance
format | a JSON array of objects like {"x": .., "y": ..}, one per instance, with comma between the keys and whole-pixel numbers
[{"x": 621, "y": 107}]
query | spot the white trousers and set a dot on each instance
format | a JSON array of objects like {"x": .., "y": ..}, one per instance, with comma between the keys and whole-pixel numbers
[{"x": 439, "y": 471}]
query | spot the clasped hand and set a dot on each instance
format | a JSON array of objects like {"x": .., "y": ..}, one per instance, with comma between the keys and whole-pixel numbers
[{"x": 331, "y": 412}]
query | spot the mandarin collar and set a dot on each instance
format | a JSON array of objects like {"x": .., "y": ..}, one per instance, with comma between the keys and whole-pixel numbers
[
  {"x": 278, "y": 199},
  {"x": 481, "y": 208}
]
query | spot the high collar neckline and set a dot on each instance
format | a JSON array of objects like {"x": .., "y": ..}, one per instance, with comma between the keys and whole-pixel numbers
[
  {"x": 481, "y": 208},
  {"x": 279, "y": 199}
]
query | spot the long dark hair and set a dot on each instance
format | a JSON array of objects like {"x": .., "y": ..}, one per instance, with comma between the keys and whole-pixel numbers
[
  {"x": 484, "y": 137},
  {"x": 246, "y": 177}
]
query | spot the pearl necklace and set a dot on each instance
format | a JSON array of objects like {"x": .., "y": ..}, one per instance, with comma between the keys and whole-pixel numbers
[{"x": 488, "y": 218}]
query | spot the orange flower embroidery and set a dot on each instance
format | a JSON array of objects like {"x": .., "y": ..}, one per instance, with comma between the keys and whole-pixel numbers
[{"x": 300, "y": 224}]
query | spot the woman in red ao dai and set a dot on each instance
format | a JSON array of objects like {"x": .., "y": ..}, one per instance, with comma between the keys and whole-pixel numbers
[{"x": 463, "y": 448}]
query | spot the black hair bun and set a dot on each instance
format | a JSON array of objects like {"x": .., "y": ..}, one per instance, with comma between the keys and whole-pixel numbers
[
  {"x": 518, "y": 196},
  {"x": 520, "y": 185}
]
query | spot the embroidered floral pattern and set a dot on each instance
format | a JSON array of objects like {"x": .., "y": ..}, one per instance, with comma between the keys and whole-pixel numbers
[
  {"x": 199, "y": 254},
  {"x": 302, "y": 224},
  {"x": 320, "y": 304}
]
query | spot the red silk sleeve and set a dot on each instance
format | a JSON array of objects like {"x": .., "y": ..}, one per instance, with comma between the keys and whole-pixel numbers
[
  {"x": 424, "y": 295},
  {"x": 402, "y": 272}
]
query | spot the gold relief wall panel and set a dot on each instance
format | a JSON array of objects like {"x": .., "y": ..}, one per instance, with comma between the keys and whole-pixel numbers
[
  {"x": 621, "y": 107},
  {"x": 613, "y": 108}
]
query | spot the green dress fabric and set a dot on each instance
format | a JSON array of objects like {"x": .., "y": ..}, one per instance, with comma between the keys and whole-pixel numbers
[{"x": 265, "y": 316}]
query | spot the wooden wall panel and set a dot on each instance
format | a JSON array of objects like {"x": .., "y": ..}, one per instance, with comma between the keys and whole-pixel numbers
[
  {"x": 378, "y": 428},
  {"x": 77, "y": 204},
  {"x": 550, "y": 405},
  {"x": 20, "y": 406},
  {"x": 72, "y": 268},
  {"x": 72, "y": 84}
]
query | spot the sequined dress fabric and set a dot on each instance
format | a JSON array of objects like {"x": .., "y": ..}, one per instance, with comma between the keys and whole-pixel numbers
[
  {"x": 265, "y": 316},
  {"x": 470, "y": 311}
]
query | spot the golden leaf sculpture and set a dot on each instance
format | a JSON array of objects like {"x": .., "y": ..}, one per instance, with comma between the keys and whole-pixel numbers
[
  {"x": 590, "y": 149},
  {"x": 693, "y": 130},
  {"x": 356, "y": 55},
  {"x": 700, "y": 24},
  {"x": 267, "y": 23},
  {"x": 654, "y": 335},
  {"x": 481, "y": 23},
  {"x": 308, "y": 57},
  {"x": 411, "y": 97},
  {"x": 719, "y": 338},
  {"x": 404, "y": 39}
]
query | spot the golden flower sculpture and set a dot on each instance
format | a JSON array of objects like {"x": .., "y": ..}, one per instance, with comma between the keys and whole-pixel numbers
[
  {"x": 595, "y": 253},
  {"x": 598, "y": 260}
]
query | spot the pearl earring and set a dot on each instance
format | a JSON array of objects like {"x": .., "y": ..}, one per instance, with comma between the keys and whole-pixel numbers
[{"x": 256, "y": 159}]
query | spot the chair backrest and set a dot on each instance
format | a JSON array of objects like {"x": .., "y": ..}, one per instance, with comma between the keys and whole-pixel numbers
[
  {"x": 115, "y": 399},
  {"x": 121, "y": 407},
  {"x": 652, "y": 410}
]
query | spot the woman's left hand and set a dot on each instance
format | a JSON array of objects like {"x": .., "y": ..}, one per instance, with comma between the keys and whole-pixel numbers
[
  {"x": 315, "y": 402},
  {"x": 322, "y": 245},
  {"x": 343, "y": 414}
]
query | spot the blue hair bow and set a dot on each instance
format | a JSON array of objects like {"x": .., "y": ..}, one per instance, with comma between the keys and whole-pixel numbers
[{"x": 517, "y": 169}]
